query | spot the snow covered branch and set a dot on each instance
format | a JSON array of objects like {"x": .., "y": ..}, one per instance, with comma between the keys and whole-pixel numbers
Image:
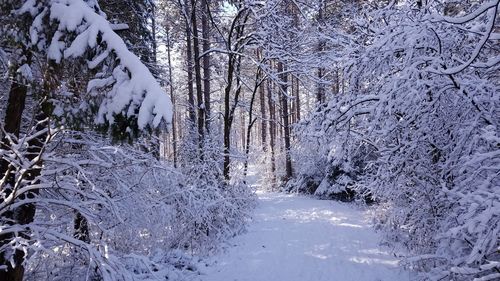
[{"x": 130, "y": 90}]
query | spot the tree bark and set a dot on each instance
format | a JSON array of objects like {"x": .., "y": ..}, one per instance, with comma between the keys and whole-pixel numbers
[
  {"x": 25, "y": 213},
  {"x": 234, "y": 67},
  {"x": 251, "y": 119},
  {"x": 320, "y": 91},
  {"x": 12, "y": 125},
  {"x": 243, "y": 128},
  {"x": 189, "y": 60},
  {"x": 286, "y": 124},
  {"x": 272, "y": 131},
  {"x": 297, "y": 100},
  {"x": 171, "y": 88},
  {"x": 229, "y": 111},
  {"x": 197, "y": 71},
  {"x": 206, "y": 62},
  {"x": 228, "y": 118},
  {"x": 262, "y": 94}
]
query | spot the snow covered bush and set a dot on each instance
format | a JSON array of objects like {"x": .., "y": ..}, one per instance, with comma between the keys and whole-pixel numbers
[
  {"x": 116, "y": 213},
  {"x": 216, "y": 220},
  {"x": 423, "y": 97},
  {"x": 332, "y": 162}
]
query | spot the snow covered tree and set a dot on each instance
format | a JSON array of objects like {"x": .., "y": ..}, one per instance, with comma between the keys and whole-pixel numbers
[
  {"x": 422, "y": 100},
  {"x": 132, "y": 97},
  {"x": 123, "y": 96}
]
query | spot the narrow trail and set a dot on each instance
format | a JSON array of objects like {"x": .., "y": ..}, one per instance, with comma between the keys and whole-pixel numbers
[{"x": 294, "y": 238}]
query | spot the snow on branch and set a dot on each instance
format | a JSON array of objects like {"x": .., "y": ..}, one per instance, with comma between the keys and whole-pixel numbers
[
  {"x": 491, "y": 12},
  {"x": 134, "y": 92},
  {"x": 467, "y": 18}
]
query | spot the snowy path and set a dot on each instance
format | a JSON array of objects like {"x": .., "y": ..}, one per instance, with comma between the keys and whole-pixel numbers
[{"x": 296, "y": 238}]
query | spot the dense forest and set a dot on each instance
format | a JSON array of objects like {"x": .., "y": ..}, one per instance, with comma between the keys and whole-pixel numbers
[{"x": 129, "y": 128}]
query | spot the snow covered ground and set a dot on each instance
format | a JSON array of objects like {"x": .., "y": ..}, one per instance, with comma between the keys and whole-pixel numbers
[{"x": 299, "y": 238}]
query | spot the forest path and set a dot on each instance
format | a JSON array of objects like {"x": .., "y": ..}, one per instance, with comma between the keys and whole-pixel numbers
[{"x": 294, "y": 238}]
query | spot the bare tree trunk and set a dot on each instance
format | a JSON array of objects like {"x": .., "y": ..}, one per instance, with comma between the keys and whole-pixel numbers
[
  {"x": 206, "y": 62},
  {"x": 320, "y": 91},
  {"x": 15, "y": 108},
  {"x": 12, "y": 125},
  {"x": 272, "y": 130},
  {"x": 25, "y": 213},
  {"x": 153, "y": 32},
  {"x": 308, "y": 103},
  {"x": 189, "y": 59},
  {"x": 292, "y": 103},
  {"x": 251, "y": 119},
  {"x": 229, "y": 111},
  {"x": 234, "y": 67},
  {"x": 13, "y": 115},
  {"x": 286, "y": 125},
  {"x": 297, "y": 100},
  {"x": 228, "y": 117},
  {"x": 243, "y": 128},
  {"x": 154, "y": 142},
  {"x": 197, "y": 71},
  {"x": 262, "y": 93},
  {"x": 171, "y": 87},
  {"x": 180, "y": 131}
]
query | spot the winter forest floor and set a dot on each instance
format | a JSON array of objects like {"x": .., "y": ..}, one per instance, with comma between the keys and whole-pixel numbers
[{"x": 295, "y": 237}]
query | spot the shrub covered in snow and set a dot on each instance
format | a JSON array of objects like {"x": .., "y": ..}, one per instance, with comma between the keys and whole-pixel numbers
[
  {"x": 330, "y": 171},
  {"x": 118, "y": 213},
  {"x": 423, "y": 98}
]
